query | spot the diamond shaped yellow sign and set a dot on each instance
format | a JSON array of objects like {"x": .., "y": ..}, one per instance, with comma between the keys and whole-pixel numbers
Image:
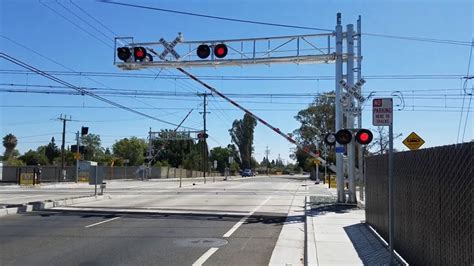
[{"x": 413, "y": 141}]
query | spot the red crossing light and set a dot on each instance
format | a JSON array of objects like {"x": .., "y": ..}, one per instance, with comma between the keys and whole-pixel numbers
[
  {"x": 123, "y": 53},
  {"x": 139, "y": 53},
  {"x": 220, "y": 50},
  {"x": 344, "y": 136},
  {"x": 364, "y": 136},
  {"x": 203, "y": 51}
]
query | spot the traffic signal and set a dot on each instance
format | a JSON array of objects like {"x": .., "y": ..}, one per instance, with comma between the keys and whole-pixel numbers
[
  {"x": 139, "y": 53},
  {"x": 84, "y": 131},
  {"x": 203, "y": 51},
  {"x": 364, "y": 136},
  {"x": 220, "y": 50},
  {"x": 202, "y": 136},
  {"x": 124, "y": 53}
]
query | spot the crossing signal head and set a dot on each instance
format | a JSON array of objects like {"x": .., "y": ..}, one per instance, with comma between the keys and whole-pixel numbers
[
  {"x": 364, "y": 136},
  {"x": 220, "y": 50},
  {"x": 124, "y": 53},
  {"x": 330, "y": 139},
  {"x": 344, "y": 136},
  {"x": 84, "y": 131},
  {"x": 139, "y": 53},
  {"x": 202, "y": 136},
  {"x": 203, "y": 51}
]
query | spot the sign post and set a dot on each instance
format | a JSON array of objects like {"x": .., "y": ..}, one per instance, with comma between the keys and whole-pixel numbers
[{"x": 382, "y": 115}]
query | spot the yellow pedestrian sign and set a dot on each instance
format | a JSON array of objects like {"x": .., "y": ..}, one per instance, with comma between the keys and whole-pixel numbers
[{"x": 413, "y": 141}]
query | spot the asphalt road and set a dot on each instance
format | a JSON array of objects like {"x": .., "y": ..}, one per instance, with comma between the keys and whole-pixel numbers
[{"x": 154, "y": 223}]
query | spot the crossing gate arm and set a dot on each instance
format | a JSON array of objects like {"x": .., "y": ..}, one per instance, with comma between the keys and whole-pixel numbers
[{"x": 299, "y": 145}]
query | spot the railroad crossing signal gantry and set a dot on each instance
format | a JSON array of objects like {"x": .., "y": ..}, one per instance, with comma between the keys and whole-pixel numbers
[{"x": 298, "y": 49}]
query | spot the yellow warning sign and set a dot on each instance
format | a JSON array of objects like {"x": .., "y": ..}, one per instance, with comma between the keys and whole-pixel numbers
[
  {"x": 77, "y": 156},
  {"x": 26, "y": 179},
  {"x": 413, "y": 141}
]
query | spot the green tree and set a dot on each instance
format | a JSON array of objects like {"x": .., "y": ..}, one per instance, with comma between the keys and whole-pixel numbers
[
  {"x": 242, "y": 135},
  {"x": 130, "y": 148},
  {"x": 92, "y": 144},
  {"x": 34, "y": 158},
  {"x": 221, "y": 155},
  {"x": 52, "y": 151},
  {"x": 179, "y": 153},
  {"x": 9, "y": 142},
  {"x": 316, "y": 120},
  {"x": 14, "y": 162}
]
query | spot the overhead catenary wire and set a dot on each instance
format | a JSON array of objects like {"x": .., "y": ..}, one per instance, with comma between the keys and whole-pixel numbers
[
  {"x": 440, "y": 108},
  {"x": 85, "y": 92},
  {"x": 237, "y": 77},
  {"x": 76, "y": 25},
  {"x": 470, "y": 96},
  {"x": 420, "y": 39}
]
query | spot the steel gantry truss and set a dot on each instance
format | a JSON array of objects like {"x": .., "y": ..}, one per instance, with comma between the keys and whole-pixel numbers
[{"x": 298, "y": 49}]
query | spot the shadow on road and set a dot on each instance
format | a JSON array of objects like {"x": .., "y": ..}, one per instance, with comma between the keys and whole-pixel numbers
[
  {"x": 370, "y": 249},
  {"x": 260, "y": 217}
]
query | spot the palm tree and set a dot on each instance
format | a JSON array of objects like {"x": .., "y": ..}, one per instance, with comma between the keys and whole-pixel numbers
[{"x": 9, "y": 142}]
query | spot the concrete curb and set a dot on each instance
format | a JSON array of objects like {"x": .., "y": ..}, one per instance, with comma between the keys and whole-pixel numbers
[
  {"x": 311, "y": 256},
  {"x": 290, "y": 246},
  {"x": 47, "y": 204}
]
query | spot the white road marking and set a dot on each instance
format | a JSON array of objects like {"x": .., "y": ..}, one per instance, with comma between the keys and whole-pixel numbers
[
  {"x": 205, "y": 257},
  {"x": 106, "y": 221},
  {"x": 239, "y": 223}
]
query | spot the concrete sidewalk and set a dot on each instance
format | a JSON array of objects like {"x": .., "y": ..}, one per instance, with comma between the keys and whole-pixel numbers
[{"x": 337, "y": 234}]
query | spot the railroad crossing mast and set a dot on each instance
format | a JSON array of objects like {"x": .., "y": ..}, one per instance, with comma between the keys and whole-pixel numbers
[{"x": 324, "y": 48}]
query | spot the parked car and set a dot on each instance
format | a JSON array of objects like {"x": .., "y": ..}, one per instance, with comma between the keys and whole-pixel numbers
[{"x": 247, "y": 172}]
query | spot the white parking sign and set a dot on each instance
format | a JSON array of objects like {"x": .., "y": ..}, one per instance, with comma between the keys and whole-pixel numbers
[{"x": 382, "y": 112}]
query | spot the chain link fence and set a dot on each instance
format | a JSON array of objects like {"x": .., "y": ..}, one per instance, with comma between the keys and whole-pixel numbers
[{"x": 433, "y": 201}]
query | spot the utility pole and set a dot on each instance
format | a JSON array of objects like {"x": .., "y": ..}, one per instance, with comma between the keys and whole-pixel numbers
[
  {"x": 341, "y": 198},
  {"x": 204, "y": 149},
  {"x": 64, "y": 119},
  {"x": 267, "y": 153},
  {"x": 350, "y": 117},
  {"x": 359, "y": 118},
  {"x": 77, "y": 157}
]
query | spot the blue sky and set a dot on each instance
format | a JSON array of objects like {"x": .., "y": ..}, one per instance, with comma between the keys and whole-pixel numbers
[{"x": 433, "y": 106}]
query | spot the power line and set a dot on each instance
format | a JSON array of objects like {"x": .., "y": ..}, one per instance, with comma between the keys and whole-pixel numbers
[
  {"x": 50, "y": 60},
  {"x": 216, "y": 17},
  {"x": 92, "y": 17},
  {"x": 435, "y": 108},
  {"x": 236, "y": 77},
  {"x": 75, "y": 24},
  {"x": 85, "y": 92},
  {"x": 432, "y": 40},
  {"x": 85, "y": 21},
  {"x": 464, "y": 89},
  {"x": 145, "y": 94}
]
